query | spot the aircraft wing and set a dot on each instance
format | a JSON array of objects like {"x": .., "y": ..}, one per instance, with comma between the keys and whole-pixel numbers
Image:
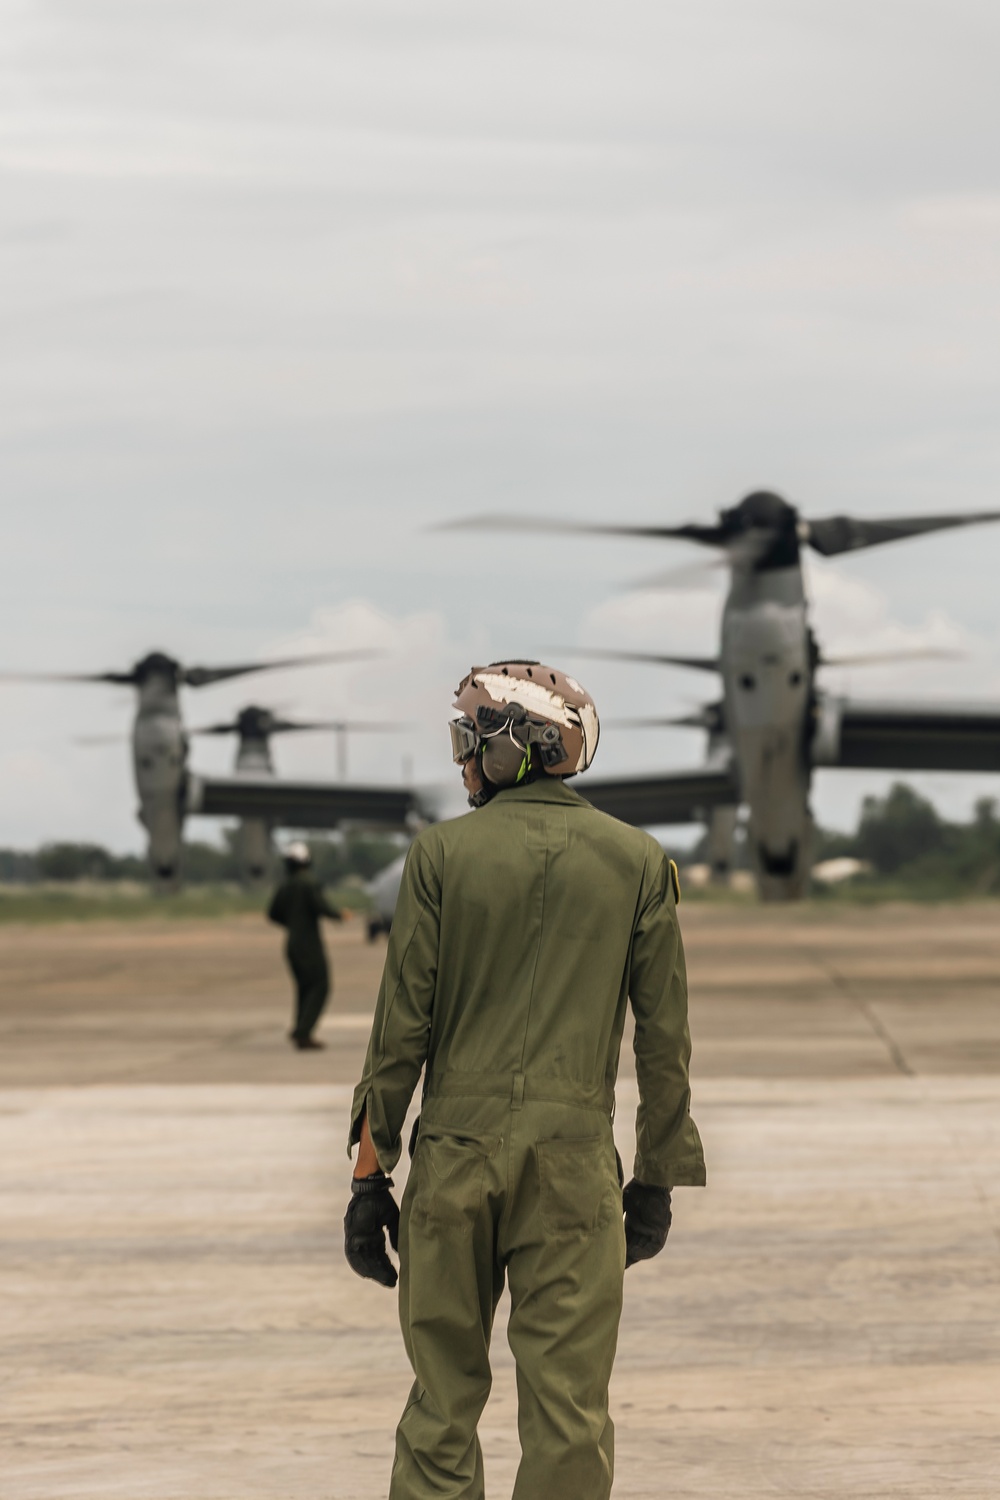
[
  {"x": 300, "y": 804},
  {"x": 907, "y": 736},
  {"x": 676, "y": 797}
]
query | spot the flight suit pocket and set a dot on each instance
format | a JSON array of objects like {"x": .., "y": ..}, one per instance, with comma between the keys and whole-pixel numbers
[
  {"x": 576, "y": 1186},
  {"x": 451, "y": 1175}
]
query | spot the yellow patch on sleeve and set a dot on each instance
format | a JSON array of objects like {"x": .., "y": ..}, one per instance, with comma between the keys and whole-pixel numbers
[{"x": 675, "y": 881}]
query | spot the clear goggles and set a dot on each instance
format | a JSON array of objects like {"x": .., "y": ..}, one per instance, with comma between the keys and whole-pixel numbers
[{"x": 464, "y": 739}]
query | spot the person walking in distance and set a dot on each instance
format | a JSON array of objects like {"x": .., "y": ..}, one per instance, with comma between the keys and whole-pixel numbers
[
  {"x": 297, "y": 905},
  {"x": 521, "y": 935}
]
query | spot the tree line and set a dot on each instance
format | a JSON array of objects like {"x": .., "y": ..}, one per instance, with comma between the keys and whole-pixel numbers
[
  {"x": 334, "y": 860},
  {"x": 906, "y": 845},
  {"x": 901, "y": 837}
]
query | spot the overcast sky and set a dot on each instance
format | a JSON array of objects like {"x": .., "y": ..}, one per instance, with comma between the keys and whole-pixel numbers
[{"x": 282, "y": 284}]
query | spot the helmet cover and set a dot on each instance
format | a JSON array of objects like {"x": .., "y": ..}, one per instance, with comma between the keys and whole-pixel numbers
[{"x": 534, "y": 704}]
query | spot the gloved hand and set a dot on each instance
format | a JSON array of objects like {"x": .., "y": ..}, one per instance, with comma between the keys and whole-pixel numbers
[
  {"x": 647, "y": 1220},
  {"x": 372, "y": 1210}
]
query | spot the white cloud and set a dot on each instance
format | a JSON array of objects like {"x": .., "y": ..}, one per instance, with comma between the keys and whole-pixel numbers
[
  {"x": 681, "y": 621},
  {"x": 851, "y": 617},
  {"x": 404, "y": 687}
]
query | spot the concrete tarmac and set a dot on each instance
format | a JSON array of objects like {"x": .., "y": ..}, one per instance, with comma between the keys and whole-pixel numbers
[{"x": 178, "y": 1322}]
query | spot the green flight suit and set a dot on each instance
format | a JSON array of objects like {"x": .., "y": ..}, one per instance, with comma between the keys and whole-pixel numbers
[
  {"x": 520, "y": 935},
  {"x": 297, "y": 905}
]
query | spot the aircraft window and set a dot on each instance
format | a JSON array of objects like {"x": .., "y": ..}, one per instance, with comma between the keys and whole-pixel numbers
[
  {"x": 146, "y": 762},
  {"x": 747, "y": 681},
  {"x": 794, "y": 678}
]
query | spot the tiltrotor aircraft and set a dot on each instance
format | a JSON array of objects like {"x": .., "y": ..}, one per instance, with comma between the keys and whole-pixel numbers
[
  {"x": 774, "y": 724},
  {"x": 169, "y": 792},
  {"x": 254, "y": 726}
]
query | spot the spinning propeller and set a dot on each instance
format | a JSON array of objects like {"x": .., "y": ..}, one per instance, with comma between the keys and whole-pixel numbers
[
  {"x": 762, "y": 531},
  {"x": 257, "y": 723},
  {"x": 158, "y": 664}
]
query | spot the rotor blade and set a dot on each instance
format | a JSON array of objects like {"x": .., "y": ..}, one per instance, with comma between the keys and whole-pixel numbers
[
  {"x": 293, "y": 726},
  {"x": 691, "y": 576},
  {"x": 697, "y": 663},
  {"x": 877, "y": 658},
  {"x": 837, "y": 534},
  {"x": 351, "y": 726},
  {"x": 119, "y": 679},
  {"x": 203, "y": 676},
  {"x": 100, "y": 739},
  {"x": 743, "y": 550},
  {"x": 684, "y": 721},
  {"x": 709, "y": 536}
]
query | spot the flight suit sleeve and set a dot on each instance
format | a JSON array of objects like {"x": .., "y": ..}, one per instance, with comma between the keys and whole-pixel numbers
[
  {"x": 323, "y": 907},
  {"x": 668, "y": 1147},
  {"x": 276, "y": 911},
  {"x": 397, "y": 1048}
]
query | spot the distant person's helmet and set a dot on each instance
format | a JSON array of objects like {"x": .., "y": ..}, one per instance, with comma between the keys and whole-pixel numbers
[
  {"x": 521, "y": 715},
  {"x": 297, "y": 853}
]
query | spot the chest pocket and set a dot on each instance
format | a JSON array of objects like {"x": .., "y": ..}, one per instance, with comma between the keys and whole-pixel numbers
[
  {"x": 578, "y": 1186},
  {"x": 451, "y": 1175}
]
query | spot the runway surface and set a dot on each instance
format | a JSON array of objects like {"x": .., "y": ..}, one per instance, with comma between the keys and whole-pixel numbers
[{"x": 178, "y": 1322}]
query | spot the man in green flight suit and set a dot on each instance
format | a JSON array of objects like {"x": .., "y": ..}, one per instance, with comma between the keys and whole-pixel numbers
[
  {"x": 520, "y": 936},
  {"x": 297, "y": 905}
]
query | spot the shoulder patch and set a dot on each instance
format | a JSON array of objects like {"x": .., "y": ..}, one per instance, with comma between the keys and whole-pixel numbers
[{"x": 675, "y": 881}]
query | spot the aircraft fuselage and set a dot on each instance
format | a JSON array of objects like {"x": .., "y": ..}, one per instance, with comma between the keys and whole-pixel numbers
[
  {"x": 766, "y": 671},
  {"x": 159, "y": 759},
  {"x": 253, "y": 843}
]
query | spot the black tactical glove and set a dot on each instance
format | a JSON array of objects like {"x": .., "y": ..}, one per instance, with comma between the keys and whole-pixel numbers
[
  {"x": 647, "y": 1221},
  {"x": 372, "y": 1210}
]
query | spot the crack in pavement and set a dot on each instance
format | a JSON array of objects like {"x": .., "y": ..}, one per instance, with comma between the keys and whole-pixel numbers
[{"x": 841, "y": 983}]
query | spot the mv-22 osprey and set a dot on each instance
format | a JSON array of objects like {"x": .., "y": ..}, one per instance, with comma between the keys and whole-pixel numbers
[
  {"x": 774, "y": 724},
  {"x": 169, "y": 791},
  {"x": 254, "y": 727}
]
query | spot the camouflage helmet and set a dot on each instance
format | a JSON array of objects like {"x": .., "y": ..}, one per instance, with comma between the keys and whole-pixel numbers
[{"x": 525, "y": 704}]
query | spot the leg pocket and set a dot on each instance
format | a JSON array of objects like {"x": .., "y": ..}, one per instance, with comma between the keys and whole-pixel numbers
[
  {"x": 577, "y": 1185},
  {"x": 450, "y": 1177}
]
